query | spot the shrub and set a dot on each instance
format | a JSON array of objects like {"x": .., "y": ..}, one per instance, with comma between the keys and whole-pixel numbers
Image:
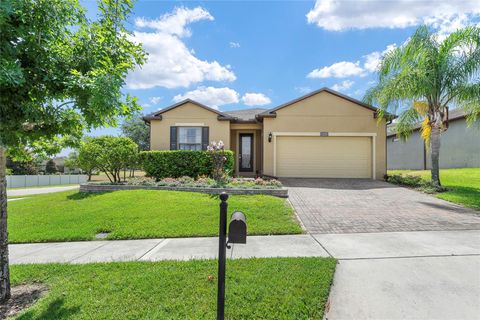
[
  {"x": 141, "y": 181},
  {"x": 178, "y": 163},
  {"x": 405, "y": 180},
  {"x": 206, "y": 182},
  {"x": 415, "y": 182}
]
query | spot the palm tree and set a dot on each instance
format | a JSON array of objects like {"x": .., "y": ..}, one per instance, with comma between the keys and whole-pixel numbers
[{"x": 425, "y": 77}]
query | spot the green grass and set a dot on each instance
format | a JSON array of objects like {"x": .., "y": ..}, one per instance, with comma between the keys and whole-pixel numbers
[
  {"x": 135, "y": 214},
  {"x": 463, "y": 185},
  {"x": 275, "y": 288}
]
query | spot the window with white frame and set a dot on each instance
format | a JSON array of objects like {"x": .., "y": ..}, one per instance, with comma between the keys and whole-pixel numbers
[{"x": 190, "y": 138}]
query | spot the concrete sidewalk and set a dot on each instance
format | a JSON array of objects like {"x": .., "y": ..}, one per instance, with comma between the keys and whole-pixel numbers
[
  {"x": 395, "y": 275},
  {"x": 340, "y": 246},
  {"x": 38, "y": 190}
]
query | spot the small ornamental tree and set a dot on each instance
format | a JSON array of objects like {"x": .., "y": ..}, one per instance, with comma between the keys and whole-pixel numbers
[
  {"x": 60, "y": 73},
  {"x": 217, "y": 152},
  {"x": 109, "y": 154},
  {"x": 87, "y": 157},
  {"x": 50, "y": 167}
]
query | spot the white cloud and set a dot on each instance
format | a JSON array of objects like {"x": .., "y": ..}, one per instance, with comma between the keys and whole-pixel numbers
[
  {"x": 155, "y": 100},
  {"x": 341, "y": 69},
  {"x": 303, "y": 90},
  {"x": 363, "y": 14},
  {"x": 171, "y": 64},
  {"x": 344, "y": 85},
  {"x": 175, "y": 23},
  {"x": 372, "y": 60},
  {"x": 210, "y": 96},
  {"x": 234, "y": 44},
  {"x": 255, "y": 99},
  {"x": 447, "y": 24},
  {"x": 345, "y": 69}
]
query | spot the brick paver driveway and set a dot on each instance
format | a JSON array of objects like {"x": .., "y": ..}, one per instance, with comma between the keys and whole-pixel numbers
[{"x": 361, "y": 205}]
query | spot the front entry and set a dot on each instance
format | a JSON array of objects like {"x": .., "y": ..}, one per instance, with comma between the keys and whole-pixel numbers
[{"x": 245, "y": 152}]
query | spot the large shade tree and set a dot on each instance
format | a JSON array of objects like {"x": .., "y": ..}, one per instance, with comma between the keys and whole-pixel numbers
[
  {"x": 136, "y": 129},
  {"x": 60, "y": 73},
  {"x": 425, "y": 77}
]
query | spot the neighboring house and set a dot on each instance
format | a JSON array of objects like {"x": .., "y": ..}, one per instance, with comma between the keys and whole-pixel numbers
[
  {"x": 60, "y": 164},
  {"x": 322, "y": 134},
  {"x": 460, "y": 146}
]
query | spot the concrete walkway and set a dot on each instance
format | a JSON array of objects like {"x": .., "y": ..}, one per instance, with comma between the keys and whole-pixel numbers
[
  {"x": 38, "y": 190},
  {"x": 395, "y": 275}
]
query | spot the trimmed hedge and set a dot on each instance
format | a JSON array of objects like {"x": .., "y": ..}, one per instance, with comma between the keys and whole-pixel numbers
[{"x": 178, "y": 163}]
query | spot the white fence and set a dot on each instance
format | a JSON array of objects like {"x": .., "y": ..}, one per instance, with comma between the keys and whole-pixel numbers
[{"x": 44, "y": 180}]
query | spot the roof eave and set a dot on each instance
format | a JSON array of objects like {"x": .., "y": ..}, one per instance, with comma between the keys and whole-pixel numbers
[
  {"x": 267, "y": 115},
  {"x": 220, "y": 114},
  {"x": 147, "y": 119}
]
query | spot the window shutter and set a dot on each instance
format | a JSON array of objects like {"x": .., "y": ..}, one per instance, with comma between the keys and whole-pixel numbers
[
  {"x": 205, "y": 138},
  {"x": 173, "y": 138}
]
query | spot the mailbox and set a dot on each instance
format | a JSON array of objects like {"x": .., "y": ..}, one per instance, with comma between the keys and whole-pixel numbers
[{"x": 237, "y": 229}]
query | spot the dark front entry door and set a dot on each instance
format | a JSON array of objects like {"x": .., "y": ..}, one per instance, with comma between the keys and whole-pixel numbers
[{"x": 245, "y": 156}]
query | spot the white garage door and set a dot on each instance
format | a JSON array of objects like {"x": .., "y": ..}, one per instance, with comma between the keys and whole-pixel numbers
[{"x": 324, "y": 157}]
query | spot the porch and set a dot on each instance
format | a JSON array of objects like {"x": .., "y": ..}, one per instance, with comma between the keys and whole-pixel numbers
[{"x": 246, "y": 143}]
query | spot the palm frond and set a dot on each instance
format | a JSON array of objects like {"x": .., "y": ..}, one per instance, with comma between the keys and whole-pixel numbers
[
  {"x": 406, "y": 123},
  {"x": 469, "y": 99}
]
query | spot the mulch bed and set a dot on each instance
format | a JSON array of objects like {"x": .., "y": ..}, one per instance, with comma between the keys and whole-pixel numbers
[{"x": 23, "y": 296}]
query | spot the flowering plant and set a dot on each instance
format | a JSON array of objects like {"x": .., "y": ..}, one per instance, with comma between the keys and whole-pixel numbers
[{"x": 216, "y": 150}]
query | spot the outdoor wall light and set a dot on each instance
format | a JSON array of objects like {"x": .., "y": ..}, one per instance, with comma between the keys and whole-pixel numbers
[{"x": 270, "y": 137}]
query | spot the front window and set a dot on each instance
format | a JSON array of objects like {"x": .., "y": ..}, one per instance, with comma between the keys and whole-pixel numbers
[{"x": 190, "y": 138}]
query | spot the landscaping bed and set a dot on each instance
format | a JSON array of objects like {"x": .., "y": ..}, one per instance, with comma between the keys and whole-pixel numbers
[
  {"x": 202, "y": 184},
  {"x": 138, "y": 214},
  {"x": 273, "y": 288}
]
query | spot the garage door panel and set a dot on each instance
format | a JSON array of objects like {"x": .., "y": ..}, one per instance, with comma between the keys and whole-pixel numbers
[{"x": 324, "y": 157}]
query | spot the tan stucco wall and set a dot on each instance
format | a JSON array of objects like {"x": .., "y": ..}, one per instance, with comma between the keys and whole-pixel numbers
[
  {"x": 325, "y": 112},
  {"x": 187, "y": 115}
]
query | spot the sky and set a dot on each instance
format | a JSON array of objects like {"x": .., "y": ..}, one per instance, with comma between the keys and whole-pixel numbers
[{"x": 259, "y": 54}]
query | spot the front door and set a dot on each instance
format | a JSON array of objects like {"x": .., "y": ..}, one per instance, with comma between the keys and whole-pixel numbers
[{"x": 245, "y": 154}]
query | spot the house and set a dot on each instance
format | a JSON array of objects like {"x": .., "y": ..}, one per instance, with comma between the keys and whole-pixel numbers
[
  {"x": 321, "y": 134},
  {"x": 460, "y": 146}
]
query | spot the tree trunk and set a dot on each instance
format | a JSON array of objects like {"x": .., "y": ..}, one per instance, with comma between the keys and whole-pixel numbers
[
  {"x": 4, "y": 265},
  {"x": 435, "y": 154}
]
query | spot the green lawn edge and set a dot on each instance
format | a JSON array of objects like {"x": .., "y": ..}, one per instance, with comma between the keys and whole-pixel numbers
[
  {"x": 140, "y": 214},
  {"x": 256, "y": 288},
  {"x": 463, "y": 184}
]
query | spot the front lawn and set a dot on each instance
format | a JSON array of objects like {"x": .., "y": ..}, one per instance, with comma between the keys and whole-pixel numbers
[
  {"x": 135, "y": 214},
  {"x": 463, "y": 185},
  {"x": 275, "y": 288}
]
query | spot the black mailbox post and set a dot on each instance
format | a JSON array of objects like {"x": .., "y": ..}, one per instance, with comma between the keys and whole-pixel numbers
[{"x": 237, "y": 233}]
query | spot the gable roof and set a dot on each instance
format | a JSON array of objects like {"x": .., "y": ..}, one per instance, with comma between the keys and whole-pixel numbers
[
  {"x": 271, "y": 113},
  {"x": 245, "y": 114},
  {"x": 157, "y": 115}
]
